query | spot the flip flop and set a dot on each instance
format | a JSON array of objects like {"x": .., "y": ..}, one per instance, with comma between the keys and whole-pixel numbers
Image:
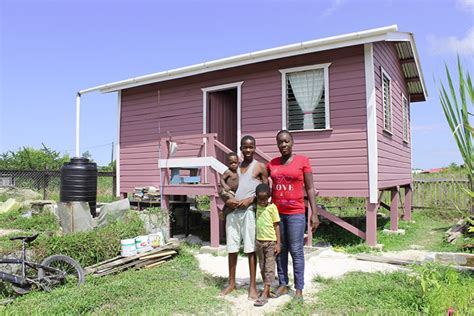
[
  {"x": 260, "y": 302},
  {"x": 277, "y": 294},
  {"x": 274, "y": 295}
]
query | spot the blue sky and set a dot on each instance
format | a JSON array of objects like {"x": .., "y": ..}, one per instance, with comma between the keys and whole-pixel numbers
[{"x": 49, "y": 50}]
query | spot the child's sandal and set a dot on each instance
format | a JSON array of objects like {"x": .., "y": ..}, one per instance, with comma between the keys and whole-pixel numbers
[{"x": 261, "y": 301}]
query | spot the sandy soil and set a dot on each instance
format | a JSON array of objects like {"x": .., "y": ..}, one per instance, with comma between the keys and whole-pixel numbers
[{"x": 325, "y": 263}]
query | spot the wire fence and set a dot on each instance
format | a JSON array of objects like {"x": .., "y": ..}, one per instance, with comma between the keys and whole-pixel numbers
[
  {"x": 438, "y": 193},
  {"x": 48, "y": 182}
]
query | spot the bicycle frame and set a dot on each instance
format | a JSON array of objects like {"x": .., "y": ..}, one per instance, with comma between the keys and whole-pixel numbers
[{"x": 22, "y": 280}]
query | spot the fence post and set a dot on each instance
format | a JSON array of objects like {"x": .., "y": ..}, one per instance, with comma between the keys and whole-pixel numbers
[{"x": 114, "y": 181}]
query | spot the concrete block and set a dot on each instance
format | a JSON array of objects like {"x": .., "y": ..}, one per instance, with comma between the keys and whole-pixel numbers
[
  {"x": 460, "y": 259},
  {"x": 377, "y": 247},
  {"x": 394, "y": 232}
]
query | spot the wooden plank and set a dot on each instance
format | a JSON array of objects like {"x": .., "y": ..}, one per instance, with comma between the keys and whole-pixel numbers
[
  {"x": 117, "y": 269},
  {"x": 161, "y": 254},
  {"x": 122, "y": 260},
  {"x": 91, "y": 269},
  {"x": 402, "y": 262},
  {"x": 154, "y": 264}
]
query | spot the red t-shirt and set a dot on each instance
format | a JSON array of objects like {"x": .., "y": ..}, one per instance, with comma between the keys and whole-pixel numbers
[{"x": 288, "y": 182}]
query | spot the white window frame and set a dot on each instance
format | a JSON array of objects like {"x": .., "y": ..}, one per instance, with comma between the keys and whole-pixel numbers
[
  {"x": 227, "y": 86},
  {"x": 284, "y": 110},
  {"x": 405, "y": 119},
  {"x": 384, "y": 73}
]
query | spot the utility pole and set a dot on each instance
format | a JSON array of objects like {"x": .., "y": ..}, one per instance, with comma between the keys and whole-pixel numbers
[{"x": 112, "y": 155}]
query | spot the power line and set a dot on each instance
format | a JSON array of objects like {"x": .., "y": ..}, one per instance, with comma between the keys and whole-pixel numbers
[{"x": 90, "y": 147}]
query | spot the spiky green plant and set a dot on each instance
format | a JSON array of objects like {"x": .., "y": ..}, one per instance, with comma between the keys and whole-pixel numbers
[{"x": 455, "y": 107}]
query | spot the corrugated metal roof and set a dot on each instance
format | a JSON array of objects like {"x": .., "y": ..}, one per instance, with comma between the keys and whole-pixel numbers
[{"x": 410, "y": 69}]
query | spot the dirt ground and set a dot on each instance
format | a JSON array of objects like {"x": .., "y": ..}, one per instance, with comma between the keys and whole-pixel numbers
[{"x": 324, "y": 262}]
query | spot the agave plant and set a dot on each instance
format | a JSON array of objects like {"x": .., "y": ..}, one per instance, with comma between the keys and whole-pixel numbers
[{"x": 455, "y": 107}]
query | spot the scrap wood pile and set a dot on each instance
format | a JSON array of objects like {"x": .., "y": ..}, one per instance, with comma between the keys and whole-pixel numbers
[
  {"x": 146, "y": 194},
  {"x": 145, "y": 260}
]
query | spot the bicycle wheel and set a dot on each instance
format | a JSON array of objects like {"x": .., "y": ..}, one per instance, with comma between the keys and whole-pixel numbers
[{"x": 72, "y": 271}]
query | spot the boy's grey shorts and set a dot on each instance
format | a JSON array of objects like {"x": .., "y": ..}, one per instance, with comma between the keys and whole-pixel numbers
[{"x": 240, "y": 227}]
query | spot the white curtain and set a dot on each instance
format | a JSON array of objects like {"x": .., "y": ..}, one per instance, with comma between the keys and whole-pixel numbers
[{"x": 308, "y": 86}]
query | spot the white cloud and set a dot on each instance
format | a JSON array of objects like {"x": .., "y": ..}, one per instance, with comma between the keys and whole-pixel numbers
[
  {"x": 334, "y": 5},
  {"x": 466, "y": 4},
  {"x": 452, "y": 44}
]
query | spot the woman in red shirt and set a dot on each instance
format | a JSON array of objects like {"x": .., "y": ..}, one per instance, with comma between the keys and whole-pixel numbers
[{"x": 291, "y": 174}]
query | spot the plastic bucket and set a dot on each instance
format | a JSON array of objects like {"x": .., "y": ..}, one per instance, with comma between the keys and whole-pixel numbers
[
  {"x": 142, "y": 244},
  {"x": 127, "y": 247}
]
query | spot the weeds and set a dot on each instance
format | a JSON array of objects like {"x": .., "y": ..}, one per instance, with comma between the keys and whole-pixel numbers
[
  {"x": 92, "y": 246},
  {"x": 443, "y": 288},
  {"x": 431, "y": 290}
]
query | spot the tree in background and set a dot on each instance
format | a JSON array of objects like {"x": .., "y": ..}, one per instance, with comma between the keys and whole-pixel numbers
[
  {"x": 455, "y": 107},
  {"x": 28, "y": 158},
  {"x": 87, "y": 155}
]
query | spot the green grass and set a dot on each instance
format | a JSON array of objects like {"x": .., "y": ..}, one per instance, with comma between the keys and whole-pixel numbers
[
  {"x": 397, "y": 293},
  {"x": 38, "y": 222},
  {"x": 426, "y": 229},
  {"x": 176, "y": 287}
]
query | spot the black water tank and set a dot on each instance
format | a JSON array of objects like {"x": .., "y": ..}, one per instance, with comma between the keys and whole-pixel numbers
[{"x": 79, "y": 182}]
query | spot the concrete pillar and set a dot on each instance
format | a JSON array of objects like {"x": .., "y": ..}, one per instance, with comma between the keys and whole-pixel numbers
[{"x": 371, "y": 224}]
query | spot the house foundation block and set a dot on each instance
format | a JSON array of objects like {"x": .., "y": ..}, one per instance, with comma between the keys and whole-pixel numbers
[{"x": 394, "y": 232}]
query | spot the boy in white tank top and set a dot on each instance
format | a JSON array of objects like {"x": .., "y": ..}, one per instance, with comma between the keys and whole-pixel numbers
[{"x": 240, "y": 224}]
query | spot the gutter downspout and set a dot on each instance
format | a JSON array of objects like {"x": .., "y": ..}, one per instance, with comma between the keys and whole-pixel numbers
[{"x": 78, "y": 114}]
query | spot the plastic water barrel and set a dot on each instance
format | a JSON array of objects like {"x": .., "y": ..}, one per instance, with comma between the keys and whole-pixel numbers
[{"x": 79, "y": 182}]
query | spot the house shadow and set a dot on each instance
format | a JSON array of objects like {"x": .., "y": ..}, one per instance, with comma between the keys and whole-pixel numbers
[{"x": 335, "y": 235}]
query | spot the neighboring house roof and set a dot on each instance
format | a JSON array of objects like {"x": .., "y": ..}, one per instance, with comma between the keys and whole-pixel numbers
[
  {"x": 433, "y": 170},
  {"x": 404, "y": 43}
]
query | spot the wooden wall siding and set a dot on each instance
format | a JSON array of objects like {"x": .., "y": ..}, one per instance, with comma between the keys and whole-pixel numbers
[
  {"x": 394, "y": 155},
  {"x": 338, "y": 156}
]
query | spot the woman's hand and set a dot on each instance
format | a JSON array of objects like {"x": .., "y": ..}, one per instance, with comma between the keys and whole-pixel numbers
[{"x": 314, "y": 223}]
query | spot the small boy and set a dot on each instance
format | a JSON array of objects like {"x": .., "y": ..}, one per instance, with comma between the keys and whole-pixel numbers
[
  {"x": 229, "y": 182},
  {"x": 268, "y": 239}
]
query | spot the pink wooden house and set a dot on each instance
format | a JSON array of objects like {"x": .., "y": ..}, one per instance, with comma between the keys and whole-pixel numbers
[{"x": 346, "y": 98}]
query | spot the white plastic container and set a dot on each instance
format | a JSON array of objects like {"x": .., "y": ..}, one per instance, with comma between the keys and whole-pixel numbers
[
  {"x": 128, "y": 247},
  {"x": 156, "y": 240},
  {"x": 142, "y": 244}
]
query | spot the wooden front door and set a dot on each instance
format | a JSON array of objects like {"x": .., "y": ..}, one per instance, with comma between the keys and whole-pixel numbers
[{"x": 222, "y": 119}]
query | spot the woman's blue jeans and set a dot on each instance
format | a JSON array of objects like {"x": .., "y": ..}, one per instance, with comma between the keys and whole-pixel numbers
[{"x": 292, "y": 239}]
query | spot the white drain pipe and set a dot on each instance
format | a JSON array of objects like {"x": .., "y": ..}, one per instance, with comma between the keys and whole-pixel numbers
[
  {"x": 78, "y": 121},
  {"x": 78, "y": 115}
]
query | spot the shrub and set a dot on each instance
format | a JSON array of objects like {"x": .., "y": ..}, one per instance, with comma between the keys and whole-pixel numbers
[{"x": 92, "y": 246}]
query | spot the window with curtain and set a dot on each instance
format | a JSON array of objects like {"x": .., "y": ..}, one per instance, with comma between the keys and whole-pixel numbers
[
  {"x": 305, "y": 99},
  {"x": 387, "y": 103},
  {"x": 405, "y": 118}
]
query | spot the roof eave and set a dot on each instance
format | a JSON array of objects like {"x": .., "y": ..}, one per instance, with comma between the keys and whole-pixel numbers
[{"x": 333, "y": 42}]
